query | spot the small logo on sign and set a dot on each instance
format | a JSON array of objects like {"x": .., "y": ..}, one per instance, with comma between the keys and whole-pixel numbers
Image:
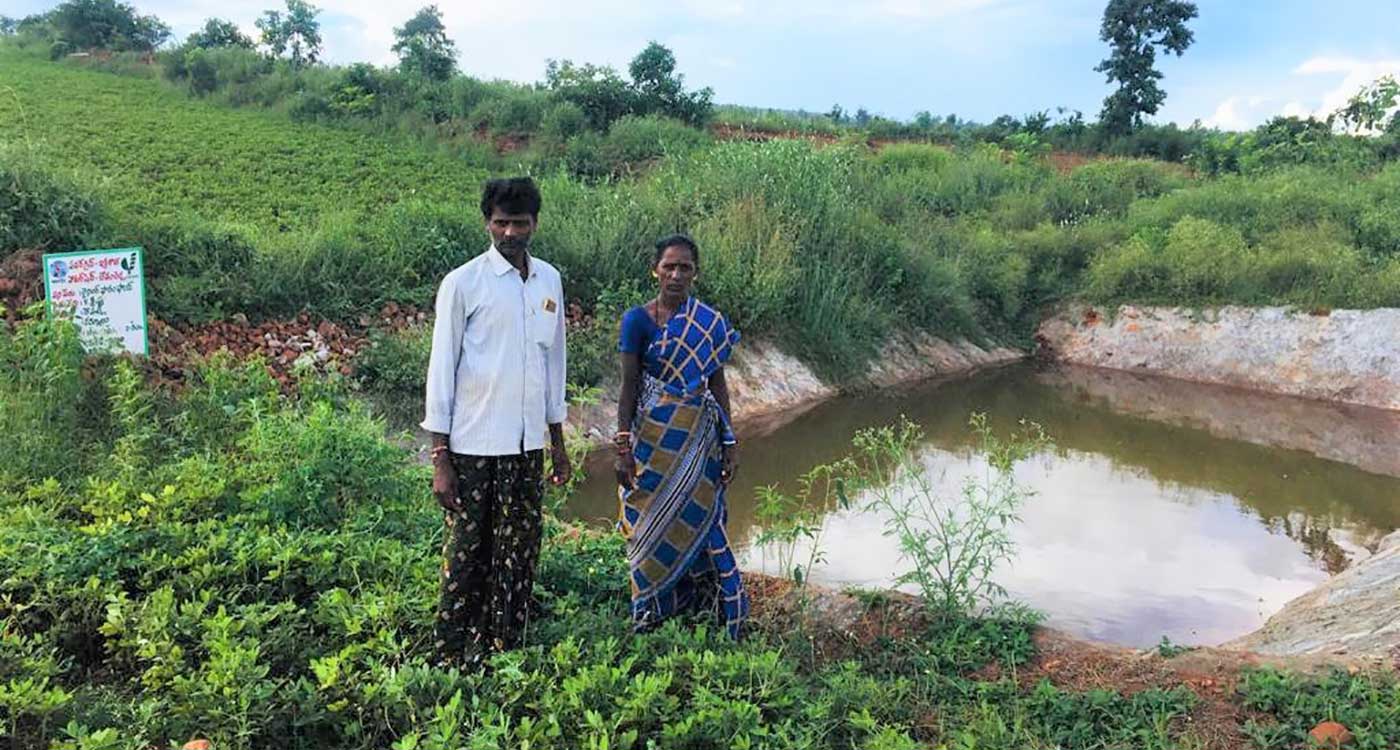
[
  {"x": 59, "y": 269},
  {"x": 549, "y": 306}
]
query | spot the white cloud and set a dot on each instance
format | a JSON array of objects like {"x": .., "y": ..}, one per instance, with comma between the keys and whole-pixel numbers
[
  {"x": 1356, "y": 73},
  {"x": 1317, "y": 87},
  {"x": 513, "y": 40},
  {"x": 1231, "y": 114}
]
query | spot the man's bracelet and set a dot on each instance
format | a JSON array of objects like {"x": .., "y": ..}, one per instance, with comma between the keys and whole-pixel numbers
[{"x": 436, "y": 451}]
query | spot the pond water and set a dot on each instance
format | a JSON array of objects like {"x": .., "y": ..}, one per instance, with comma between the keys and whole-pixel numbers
[{"x": 1164, "y": 508}]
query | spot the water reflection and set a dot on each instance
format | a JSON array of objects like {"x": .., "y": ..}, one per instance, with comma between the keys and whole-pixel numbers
[{"x": 1165, "y": 509}]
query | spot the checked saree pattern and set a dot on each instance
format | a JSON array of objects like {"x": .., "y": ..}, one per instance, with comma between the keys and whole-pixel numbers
[{"x": 677, "y": 549}]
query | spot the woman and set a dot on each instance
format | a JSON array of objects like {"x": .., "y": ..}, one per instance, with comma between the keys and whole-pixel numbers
[{"x": 676, "y": 451}]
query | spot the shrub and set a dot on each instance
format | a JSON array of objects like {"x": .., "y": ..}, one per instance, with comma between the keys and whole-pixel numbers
[
  {"x": 39, "y": 208},
  {"x": 1306, "y": 265},
  {"x": 748, "y": 260},
  {"x": 396, "y": 362},
  {"x": 1197, "y": 260},
  {"x": 561, "y": 122},
  {"x": 635, "y": 140},
  {"x": 1109, "y": 188},
  {"x": 198, "y": 271},
  {"x": 515, "y": 113},
  {"x": 42, "y": 398}
]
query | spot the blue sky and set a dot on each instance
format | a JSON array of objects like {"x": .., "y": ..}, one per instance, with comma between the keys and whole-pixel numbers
[{"x": 977, "y": 58}]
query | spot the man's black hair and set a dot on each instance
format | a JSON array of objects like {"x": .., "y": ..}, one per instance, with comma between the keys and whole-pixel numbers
[
  {"x": 681, "y": 240},
  {"x": 513, "y": 195}
]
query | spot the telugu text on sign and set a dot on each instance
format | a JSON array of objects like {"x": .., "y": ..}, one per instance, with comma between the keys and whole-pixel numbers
[{"x": 104, "y": 293}]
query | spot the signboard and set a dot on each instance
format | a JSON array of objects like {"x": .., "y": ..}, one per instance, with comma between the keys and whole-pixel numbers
[{"x": 104, "y": 293}]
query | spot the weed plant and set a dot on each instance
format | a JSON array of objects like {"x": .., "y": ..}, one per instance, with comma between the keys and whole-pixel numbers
[
  {"x": 1368, "y": 705},
  {"x": 953, "y": 546}
]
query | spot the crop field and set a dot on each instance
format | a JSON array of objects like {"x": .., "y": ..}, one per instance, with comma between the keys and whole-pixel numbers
[{"x": 157, "y": 153}]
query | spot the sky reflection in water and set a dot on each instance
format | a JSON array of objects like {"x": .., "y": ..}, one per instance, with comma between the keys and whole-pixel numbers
[{"x": 1146, "y": 521}]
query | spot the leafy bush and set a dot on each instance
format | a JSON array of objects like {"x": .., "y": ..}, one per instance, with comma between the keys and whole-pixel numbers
[
  {"x": 1366, "y": 704},
  {"x": 42, "y": 392},
  {"x": 517, "y": 113},
  {"x": 1109, "y": 187},
  {"x": 632, "y": 140},
  {"x": 561, "y": 122},
  {"x": 198, "y": 271},
  {"x": 39, "y": 209},
  {"x": 397, "y": 362}
]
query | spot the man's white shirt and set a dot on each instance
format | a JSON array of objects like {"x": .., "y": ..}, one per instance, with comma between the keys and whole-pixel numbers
[{"x": 496, "y": 372}]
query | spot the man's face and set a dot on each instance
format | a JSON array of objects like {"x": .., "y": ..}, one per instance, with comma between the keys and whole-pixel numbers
[{"x": 510, "y": 232}]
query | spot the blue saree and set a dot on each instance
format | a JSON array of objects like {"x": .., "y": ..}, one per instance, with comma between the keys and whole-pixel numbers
[{"x": 674, "y": 515}]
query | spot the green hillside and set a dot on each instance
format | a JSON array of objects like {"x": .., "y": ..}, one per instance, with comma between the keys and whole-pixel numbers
[
  {"x": 160, "y": 153},
  {"x": 827, "y": 248}
]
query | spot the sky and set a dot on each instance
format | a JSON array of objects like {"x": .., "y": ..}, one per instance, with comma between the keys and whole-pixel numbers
[{"x": 1252, "y": 59}]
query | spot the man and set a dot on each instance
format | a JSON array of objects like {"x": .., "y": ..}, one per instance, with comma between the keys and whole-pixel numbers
[{"x": 495, "y": 380}]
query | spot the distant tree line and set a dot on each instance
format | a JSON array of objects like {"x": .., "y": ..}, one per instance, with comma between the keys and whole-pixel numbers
[{"x": 571, "y": 113}]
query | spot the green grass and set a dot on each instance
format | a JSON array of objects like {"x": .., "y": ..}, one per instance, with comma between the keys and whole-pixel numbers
[
  {"x": 159, "y": 153},
  {"x": 826, "y": 249},
  {"x": 1368, "y": 705},
  {"x": 261, "y": 570}
]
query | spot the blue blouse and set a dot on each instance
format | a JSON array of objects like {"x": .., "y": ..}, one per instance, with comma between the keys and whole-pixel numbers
[{"x": 638, "y": 331}]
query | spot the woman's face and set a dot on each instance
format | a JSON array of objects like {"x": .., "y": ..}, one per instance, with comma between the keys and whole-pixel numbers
[{"x": 676, "y": 271}]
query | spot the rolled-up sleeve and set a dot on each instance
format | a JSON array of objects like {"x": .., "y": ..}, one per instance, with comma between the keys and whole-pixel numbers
[
  {"x": 556, "y": 408},
  {"x": 442, "y": 361}
]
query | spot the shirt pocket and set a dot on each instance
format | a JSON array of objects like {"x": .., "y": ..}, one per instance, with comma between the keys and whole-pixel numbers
[{"x": 541, "y": 325}]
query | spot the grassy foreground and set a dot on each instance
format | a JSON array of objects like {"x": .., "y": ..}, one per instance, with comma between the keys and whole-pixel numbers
[{"x": 228, "y": 562}]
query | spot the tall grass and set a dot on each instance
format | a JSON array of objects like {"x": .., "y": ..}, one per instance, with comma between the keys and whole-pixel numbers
[{"x": 828, "y": 249}]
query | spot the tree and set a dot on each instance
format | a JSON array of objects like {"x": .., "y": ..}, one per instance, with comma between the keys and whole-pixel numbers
[
  {"x": 296, "y": 34},
  {"x": 107, "y": 24},
  {"x": 598, "y": 90},
  {"x": 423, "y": 47},
  {"x": 1369, "y": 109},
  {"x": 8, "y": 25},
  {"x": 148, "y": 33},
  {"x": 660, "y": 89},
  {"x": 218, "y": 33},
  {"x": 1135, "y": 29}
]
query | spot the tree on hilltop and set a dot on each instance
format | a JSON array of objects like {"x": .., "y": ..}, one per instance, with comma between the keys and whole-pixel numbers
[
  {"x": 296, "y": 34},
  {"x": 423, "y": 47},
  {"x": 1135, "y": 29},
  {"x": 596, "y": 89},
  {"x": 655, "y": 89},
  {"x": 217, "y": 33},
  {"x": 106, "y": 24},
  {"x": 660, "y": 89}
]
